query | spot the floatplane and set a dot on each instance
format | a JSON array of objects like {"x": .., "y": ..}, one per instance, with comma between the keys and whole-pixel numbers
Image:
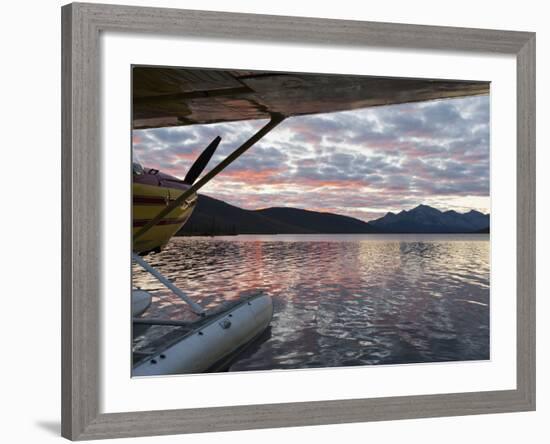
[{"x": 162, "y": 203}]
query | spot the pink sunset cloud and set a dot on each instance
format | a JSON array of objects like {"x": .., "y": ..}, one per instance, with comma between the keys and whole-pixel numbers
[{"x": 360, "y": 163}]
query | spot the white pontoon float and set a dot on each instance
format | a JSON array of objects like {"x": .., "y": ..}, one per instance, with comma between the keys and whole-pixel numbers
[{"x": 203, "y": 345}]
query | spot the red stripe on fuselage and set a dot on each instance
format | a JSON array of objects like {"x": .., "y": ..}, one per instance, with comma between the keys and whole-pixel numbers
[
  {"x": 150, "y": 200},
  {"x": 141, "y": 222}
]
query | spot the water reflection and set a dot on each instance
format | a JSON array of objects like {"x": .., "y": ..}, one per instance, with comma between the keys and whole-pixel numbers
[{"x": 339, "y": 299}]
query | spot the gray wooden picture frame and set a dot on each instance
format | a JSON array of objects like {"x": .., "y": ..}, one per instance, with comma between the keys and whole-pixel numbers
[{"x": 81, "y": 26}]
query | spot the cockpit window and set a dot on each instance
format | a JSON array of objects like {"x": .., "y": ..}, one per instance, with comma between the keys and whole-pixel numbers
[
  {"x": 137, "y": 165},
  {"x": 137, "y": 169}
]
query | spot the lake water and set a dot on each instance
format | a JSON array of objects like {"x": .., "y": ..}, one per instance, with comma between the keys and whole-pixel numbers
[{"x": 339, "y": 300}]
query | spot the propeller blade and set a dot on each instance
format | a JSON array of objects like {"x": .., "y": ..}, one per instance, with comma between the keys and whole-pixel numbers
[{"x": 200, "y": 164}]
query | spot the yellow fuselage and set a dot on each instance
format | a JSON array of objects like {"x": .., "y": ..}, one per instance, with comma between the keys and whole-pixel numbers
[{"x": 148, "y": 201}]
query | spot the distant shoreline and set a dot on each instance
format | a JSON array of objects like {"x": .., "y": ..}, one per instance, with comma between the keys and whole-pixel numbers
[
  {"x": 329, "y": 234},
  {"x": 213, "y": 217}
]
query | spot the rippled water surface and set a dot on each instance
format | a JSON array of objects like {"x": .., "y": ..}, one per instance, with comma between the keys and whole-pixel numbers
[{"x": 339, "y": 299}]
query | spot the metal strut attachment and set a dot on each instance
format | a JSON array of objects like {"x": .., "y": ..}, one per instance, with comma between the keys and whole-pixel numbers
[
  {"x": 196, "y": 308},
  {"x": 275, "y": 120}
]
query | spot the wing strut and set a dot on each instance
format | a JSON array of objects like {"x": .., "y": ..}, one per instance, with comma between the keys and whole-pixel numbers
[{"x": 275, "y": 120}]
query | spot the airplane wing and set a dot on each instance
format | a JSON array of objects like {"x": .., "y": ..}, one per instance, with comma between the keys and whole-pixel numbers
[{"x": 165, "y": 97}]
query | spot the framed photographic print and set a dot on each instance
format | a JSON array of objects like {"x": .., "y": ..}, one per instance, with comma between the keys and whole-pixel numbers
[{"x": 290, "y": 219}]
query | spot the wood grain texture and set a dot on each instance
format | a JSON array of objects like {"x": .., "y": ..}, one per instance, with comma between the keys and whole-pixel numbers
[
  {"x": 66, "y": 224},
  {"x": 81, "y": 230},
  {"x": 80, "y": 222},
  {"x": 302, "y": 30},
  {"x": 301, "y": 414},
  {"x": 526, "y": 221}
]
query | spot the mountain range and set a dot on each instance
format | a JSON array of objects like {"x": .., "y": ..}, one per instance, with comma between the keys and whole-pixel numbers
[
  {"x": 215, "y": 217},
  {"x": 426, "y": 219}
]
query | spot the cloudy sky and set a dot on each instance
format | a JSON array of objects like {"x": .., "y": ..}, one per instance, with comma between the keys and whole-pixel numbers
[{"x": 359, "y": 163}]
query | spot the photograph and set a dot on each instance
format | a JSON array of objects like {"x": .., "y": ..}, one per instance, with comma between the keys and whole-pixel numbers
[{"x": 287, "y": 221}]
